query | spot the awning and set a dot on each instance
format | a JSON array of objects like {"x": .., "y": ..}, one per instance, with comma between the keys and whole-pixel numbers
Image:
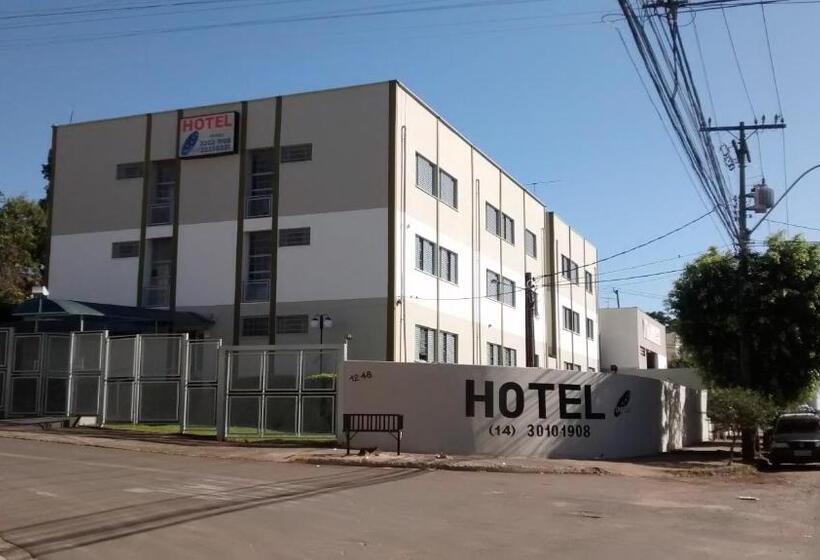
[{"x": 101, "y": 314}]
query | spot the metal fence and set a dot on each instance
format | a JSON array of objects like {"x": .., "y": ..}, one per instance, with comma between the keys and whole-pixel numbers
[
  {"x": 191, "y": 386},
  {"x": 279, "y": 390}
]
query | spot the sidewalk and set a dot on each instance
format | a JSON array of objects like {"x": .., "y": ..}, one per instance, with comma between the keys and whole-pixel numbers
[{"x": 705, "y": 461}]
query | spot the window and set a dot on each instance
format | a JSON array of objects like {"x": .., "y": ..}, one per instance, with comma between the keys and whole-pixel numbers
[
  {"x": 493, "y": 285},
  {"x": 130, "y": 170},
  {"x": 492, "y": 216},
  {"x": 425, "y": 344},
  {"x": 257, "y": 287},
  {"x": 426, "y": 175},
  {"x": 643, "y": 351},
  {"x": 507, "y": 291},
  {"x": 498, "y": 355},
  {"x": 260, "y": 184},
  {"x": 291, "y": 324},
  {"x": 448, "y": 189},
  {"x": 297, "y": 152},
  {"x": 448, "y": 265},
  {"x": 292, "y": 237},
  {"x": 572, "y": 320},
  {"x": 591, "y": 370},
  {"x": 537, "y": 360},
  {"x": 509, "y": 229},
  {"x": 590, "y": 329},
  {"x": 566, "y": 267},
  {"x": 588, "y": 281},
  {"x": 160, "y": 270},
  {"x": 569, "y": 269},
  {"x": 500, "y": 224},
  {"x": 510, "y": 357},
  {"x": 494, "y": 354},
  {"x": 161, "y": 204},
  {"x": 441, "y": 185},
  {"x": 255, "y": 326},
  {"x": 425, "y": 255},
  {"x": 500, "y": 288},
  {"x": 530, "y": 244},
  {"x": 125, "y": 249},
  {"x": 447, "y": 348},
  {"x": 572, "y": 367}
]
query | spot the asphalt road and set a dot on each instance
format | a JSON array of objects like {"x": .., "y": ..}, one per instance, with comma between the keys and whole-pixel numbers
[{"x": 66, "y": 501}]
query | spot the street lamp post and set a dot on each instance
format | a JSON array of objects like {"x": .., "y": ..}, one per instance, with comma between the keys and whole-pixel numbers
[{"x": 321, "y": 322}]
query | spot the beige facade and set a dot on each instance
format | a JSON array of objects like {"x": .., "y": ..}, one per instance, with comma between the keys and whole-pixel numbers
[{"x": 384, "y": 178}]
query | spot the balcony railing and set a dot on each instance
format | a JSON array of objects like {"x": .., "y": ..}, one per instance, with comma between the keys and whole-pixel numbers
[
  {"x": 256, "y": 290},
  {"x": 258, "y": 206},
  {"x": 160, "y": 214},
  {"x": 156, "y": 296}
]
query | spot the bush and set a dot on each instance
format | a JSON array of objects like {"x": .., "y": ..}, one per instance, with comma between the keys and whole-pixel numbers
[{"x": 734, "y": 409}]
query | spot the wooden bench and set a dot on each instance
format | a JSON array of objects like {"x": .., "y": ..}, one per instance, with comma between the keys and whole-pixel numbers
[
  {"x": 392, "y": 424},
  {"x": 45, "y": 422}
]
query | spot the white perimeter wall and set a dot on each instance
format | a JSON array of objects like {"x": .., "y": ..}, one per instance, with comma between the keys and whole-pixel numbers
[{"x": 434, "y": 401}]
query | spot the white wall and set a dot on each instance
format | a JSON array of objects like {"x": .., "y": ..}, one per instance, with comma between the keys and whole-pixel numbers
[
  {"x": 206, "y": 266},
  {"x": 345, "y": 258},
  {"x": 435, "y": 401},
  {"x": 82, "y": 268}
]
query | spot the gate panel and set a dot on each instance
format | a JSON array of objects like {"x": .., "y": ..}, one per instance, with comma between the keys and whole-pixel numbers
[
  {"x": 26, "y": 379},
  {"x": 120, "y": 378},
  {"x": 5, "y": 365},
  {"x": 281, "y": 390},
  {"x": 200, "y": 395},
  {"x": 159, "y": 378},
  {"x": 57, "y": 366},
  {"x": 85, "y": 383}
]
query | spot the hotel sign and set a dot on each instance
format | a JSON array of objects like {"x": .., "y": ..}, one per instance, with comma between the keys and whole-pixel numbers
[{"x": 208, "y": 135}]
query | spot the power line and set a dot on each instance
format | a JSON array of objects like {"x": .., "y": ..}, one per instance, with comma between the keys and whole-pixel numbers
[
  {"x": 743, "y": 82},
  {"x": 397, "y": 8},
  {"x": 793, "y": 225}
]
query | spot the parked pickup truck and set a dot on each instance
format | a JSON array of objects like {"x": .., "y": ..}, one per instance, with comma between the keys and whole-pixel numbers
[{"x": 796, "y": 439}]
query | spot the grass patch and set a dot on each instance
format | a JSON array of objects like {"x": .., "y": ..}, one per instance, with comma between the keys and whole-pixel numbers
[{"x": 236, "y": 434}]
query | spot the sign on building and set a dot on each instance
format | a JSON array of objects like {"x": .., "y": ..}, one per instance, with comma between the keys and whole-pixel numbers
[
  {"x": 208, "y": 135},
  {"x": 509, "y": 411}
]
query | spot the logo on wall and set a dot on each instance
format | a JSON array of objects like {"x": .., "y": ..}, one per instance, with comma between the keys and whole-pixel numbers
[
  {"x": 208, "y": 135},
  {"x": 189, "y": 143},
  {"x": 623, "y": 402}
]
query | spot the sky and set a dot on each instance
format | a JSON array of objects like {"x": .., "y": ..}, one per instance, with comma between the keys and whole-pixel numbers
[{"x": 545, "y": 87}]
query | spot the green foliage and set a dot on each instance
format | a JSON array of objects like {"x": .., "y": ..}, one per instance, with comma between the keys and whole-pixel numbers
[
  {"x": 736, "y": 408},
  {"x": 22, "y": 247},
  {"x": 661, "y": 317},
  {"x": 780, "y": 304}
]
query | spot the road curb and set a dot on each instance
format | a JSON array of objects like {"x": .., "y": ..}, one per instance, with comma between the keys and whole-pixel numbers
[{"x": 449, "y": 465}]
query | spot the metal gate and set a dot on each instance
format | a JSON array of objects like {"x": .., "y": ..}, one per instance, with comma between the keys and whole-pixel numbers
[
  {"x": 6, "y": 336},
  {"x": 85, "y": 375},
  {"x": 25, "y": 375},
  {"x": 279, "y": 390},
  {"x": 143, "y": 378},
  {"x": 201, "y": 385}
]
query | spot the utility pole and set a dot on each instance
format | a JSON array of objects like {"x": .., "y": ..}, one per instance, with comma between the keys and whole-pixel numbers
[
  {"x": 743, "y": 157},
  {"x": 531, "y": 302},
  {"x": 617, "y": 296}
]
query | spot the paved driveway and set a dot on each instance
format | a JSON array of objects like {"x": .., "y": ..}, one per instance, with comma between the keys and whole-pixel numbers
[{"x": 65, "y": 501}]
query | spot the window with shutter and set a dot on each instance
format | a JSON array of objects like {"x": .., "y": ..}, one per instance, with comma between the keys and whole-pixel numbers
[
  {"x": 493, "y": 285},
  {"x": 125, "y": 249},
  {"x": 425, "y": 175},
  {"x": 530, "y": 244},
  {"x": 292, "y": 237},
  {"x": 509, "y": 230},
  {"x": 492, "y": 215},
  {"x": 130, "y": 170},
  {"x": 291, "y": 324},
  {"x": 297, "y": 152},
  {"x": 448, "y": 189},
  {"x": 255, "y": 326}
]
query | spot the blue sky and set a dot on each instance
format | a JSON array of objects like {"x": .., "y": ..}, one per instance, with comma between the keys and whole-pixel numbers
[{"x": 542, "y": 86}]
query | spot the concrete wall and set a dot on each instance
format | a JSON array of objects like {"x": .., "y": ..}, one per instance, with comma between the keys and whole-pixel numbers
[
  {"x": 616, "y": 415},
  {"x": 624, "y": 331}
]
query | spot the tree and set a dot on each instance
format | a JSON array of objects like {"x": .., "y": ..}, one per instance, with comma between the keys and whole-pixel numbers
[
  {"x": 735, "y": 409},
  {"x": 778, "y": 301},
  {"x": 22, "y": 247},
  {"x": 661, "y": 317}
]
